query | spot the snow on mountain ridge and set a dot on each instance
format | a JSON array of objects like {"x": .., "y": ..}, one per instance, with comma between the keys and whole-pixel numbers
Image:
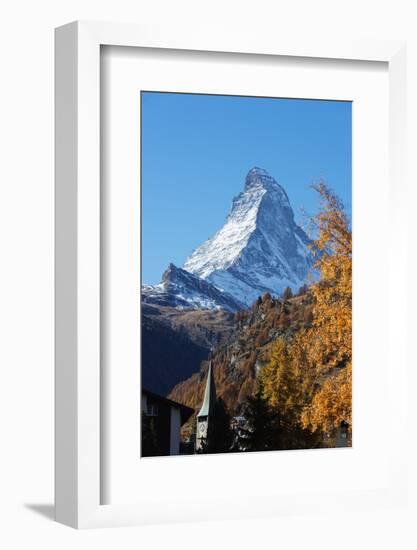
[
  {"x": 259, "y": 249},
  {"x": 184, "y": 290},
  {"x": 221, "y": 250}
]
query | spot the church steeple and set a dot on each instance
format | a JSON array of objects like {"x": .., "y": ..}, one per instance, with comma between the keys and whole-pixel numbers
[
  {"x": 209, "y": 402},
  {"x": 206, "y": 414}
]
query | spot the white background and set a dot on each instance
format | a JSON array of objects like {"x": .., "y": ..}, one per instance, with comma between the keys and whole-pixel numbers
[{"x": 26, "y": 302}]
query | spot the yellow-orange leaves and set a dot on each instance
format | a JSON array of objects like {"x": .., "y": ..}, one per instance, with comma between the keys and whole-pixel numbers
[{"x": 311, "y": 374}]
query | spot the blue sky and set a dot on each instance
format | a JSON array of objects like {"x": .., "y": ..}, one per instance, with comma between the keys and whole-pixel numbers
[{"x": 197, "y": 150}]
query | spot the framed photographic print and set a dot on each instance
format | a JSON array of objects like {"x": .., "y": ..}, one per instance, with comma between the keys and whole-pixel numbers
[
  {"x": 218, "y": 275},
  {"x": 248, "y": 333}
]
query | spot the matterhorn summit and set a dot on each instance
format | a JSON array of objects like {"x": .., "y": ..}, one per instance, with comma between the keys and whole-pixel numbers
[{"x": 259, "y": 249}]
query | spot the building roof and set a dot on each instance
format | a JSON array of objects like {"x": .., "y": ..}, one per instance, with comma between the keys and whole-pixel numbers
[
  {"x": 185, "y": 411},
  {"x": 209, "y": 401}
]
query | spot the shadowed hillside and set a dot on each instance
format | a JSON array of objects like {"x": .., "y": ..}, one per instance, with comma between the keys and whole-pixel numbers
[{"x": 174, "y": 342}]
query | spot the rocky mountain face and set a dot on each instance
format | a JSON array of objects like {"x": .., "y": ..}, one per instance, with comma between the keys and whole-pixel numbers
[
  {"x": 182, "y": 289},
  {"x": 259, "y": 249}
]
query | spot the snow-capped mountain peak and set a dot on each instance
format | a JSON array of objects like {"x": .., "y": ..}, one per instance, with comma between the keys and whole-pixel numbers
[{"x": 259, "y": 249}]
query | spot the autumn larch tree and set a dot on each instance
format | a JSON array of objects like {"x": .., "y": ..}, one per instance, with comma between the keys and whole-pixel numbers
[{"x": 328, "y": 342}]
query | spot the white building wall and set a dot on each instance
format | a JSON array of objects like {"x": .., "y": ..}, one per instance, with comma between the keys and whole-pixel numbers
[{"x": 174, "y": 447}]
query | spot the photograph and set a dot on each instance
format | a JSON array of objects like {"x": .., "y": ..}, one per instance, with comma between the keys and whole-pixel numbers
[
  {"x": 246, "y": 273},
  {"x": 190, "y": 357}
]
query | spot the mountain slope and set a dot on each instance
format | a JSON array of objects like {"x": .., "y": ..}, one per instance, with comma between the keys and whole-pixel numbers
[
  {"x": 259, "y": 249},
  {"x": 174, "y": 342},
  {"x": 238, "y": 360},
  {"x": 181, "y": 289}
]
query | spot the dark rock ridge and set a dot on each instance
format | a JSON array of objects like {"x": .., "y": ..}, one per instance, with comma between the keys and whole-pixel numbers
[{"x": 181, "y": 289}]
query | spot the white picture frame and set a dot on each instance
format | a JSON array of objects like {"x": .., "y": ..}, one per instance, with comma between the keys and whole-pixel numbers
[{"x": 78, "y": 405}]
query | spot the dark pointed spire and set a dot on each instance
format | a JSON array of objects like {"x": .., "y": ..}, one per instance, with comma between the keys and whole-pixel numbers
[{"x": 209, "y": 401}]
